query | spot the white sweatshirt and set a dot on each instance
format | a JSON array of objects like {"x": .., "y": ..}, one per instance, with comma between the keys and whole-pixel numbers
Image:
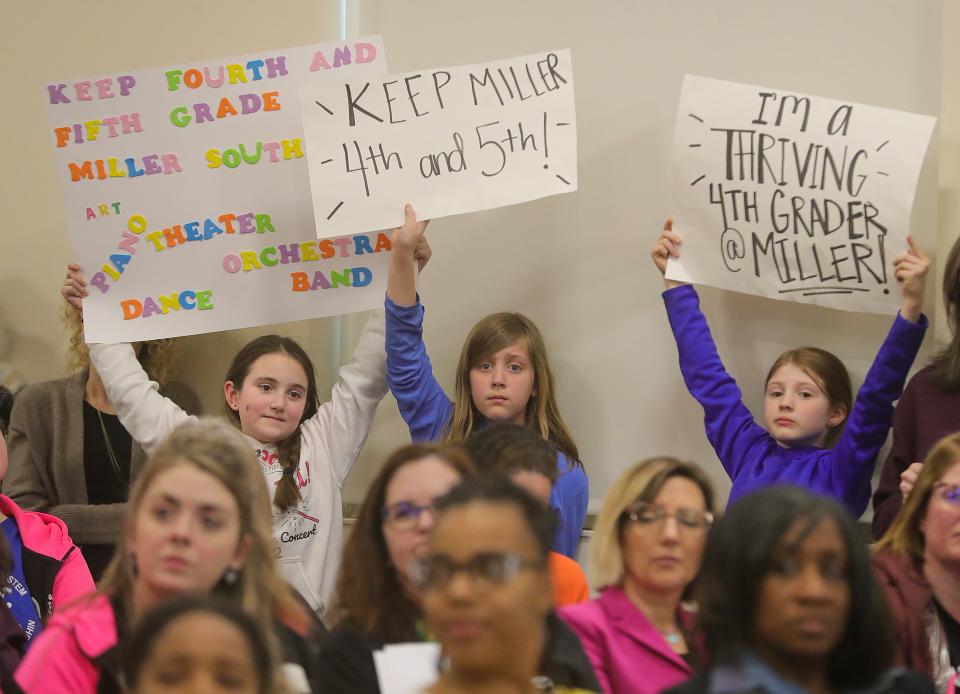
[{"x": 310, "y": 535}]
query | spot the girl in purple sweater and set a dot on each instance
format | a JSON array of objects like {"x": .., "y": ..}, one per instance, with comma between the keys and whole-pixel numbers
[{"x": 812, "y": 435}]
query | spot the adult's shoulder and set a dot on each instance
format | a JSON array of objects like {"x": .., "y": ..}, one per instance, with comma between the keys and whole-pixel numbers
[
  {"x": 57, "y": 389},
  {"x": 591, "y": 612}
]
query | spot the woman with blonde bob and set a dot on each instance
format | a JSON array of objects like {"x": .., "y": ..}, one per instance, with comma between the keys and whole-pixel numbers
[
  {"x": 644, "y": 554},
  {"x": 918, "y": 564},
  {"x": 198, "y": 522}
]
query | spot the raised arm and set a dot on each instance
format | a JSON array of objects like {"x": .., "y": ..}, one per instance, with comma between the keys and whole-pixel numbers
[
  {"x": 424, "y": 406},
  {"x": 342, "y": 424},
  {"x": 852, "y": 462},
  {"x": 730, "y": 427}
]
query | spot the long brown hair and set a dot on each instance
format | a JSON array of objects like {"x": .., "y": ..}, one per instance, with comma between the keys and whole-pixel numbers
[
  {"x": 945, "y": 366},
  {"x": 830, "y": 375},
  {"x": 489, "y": 336},
  {"x": 904, "y": 535},
  {"x": 287, "y": 493},
  {"x": 369, "y": 596},
  {"x": 213, "y": 447}
]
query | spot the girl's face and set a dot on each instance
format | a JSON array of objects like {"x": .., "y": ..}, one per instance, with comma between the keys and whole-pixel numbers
[
  {"x": 661, "y": 553},
  {"x": 941, "y": 522},
  {"x": 796, "y": 410},
  {"x": 271, "y": 399},
  {"x": 199, "y": 653},
  {"x": 502, "y": 385},
  {"x": 186, "y": 533},
  {"x": 408, "y": 511},
  {"x": 488, "y": 622},
  {"x": 804, "y": 597}
]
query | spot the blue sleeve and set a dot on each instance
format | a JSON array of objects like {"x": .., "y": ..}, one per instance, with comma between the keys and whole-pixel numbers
[
  {"x": 729, "y": 424},
  {"x": 850, "y": 463},
  {"x": 424, "y": 406},
  {"x": 570, "y": 497}
]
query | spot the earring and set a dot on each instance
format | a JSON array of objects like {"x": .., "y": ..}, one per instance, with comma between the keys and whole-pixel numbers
[{"x": 230, "y": 576}]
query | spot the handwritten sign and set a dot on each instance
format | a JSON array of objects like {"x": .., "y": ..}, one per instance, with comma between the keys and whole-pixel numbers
[
  {"x": 187, "y": 195},
  {"x": 793, "y": 196},
  {"x": 449, "y": 140}
]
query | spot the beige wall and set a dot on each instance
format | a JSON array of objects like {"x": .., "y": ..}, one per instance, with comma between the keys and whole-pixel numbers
[
  {"x": 619, "y": 387},
  {"x": 949, "y": 150},
  {"x": 41, "y": 45}
]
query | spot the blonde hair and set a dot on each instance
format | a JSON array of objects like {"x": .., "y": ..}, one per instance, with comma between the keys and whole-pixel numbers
[
  {"x": 642, "y": 482},
  {"x": 214, "y": 447},
  {"x": 156, "y": 356},
  {"x": 489, "y": 336},
  {"x": 904, "y": 535}
]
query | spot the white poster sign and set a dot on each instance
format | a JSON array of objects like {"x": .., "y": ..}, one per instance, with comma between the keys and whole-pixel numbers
[
  {"x": 187, "y": 196},
  {"x": 407, "y": 668},
  {"x": 448, "y": 141},
  {"x": 793, "y": 196}
]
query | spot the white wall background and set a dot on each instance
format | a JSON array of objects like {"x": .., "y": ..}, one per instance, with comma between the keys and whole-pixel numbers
[{"x": 577, "y": 264}]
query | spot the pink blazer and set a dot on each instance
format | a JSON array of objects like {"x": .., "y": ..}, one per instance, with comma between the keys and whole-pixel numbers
[{"x": 627, "y": 653}]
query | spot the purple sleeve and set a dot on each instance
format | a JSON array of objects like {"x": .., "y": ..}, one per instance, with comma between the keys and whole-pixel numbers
[
  {"x": 424, "y": 406},
  {"x": 852, "y": 459},
  {"x": 729, "y": 424}
]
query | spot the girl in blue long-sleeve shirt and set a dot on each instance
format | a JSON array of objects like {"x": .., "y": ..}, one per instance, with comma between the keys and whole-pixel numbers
[
  {"x": 807, "y": 405},
  {"x": 503, "y": 376}
]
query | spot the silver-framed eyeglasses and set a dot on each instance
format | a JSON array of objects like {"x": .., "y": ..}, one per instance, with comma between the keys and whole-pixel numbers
[
  {"x": 647, "y": 515},
  {"x": 486, "y": 569},
  {"x": 405, "y": 515}
]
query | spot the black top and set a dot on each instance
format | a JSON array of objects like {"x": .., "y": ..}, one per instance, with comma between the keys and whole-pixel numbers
[
  {"x": 346, "y": 660},
  {"x": 105, "y": 484}
]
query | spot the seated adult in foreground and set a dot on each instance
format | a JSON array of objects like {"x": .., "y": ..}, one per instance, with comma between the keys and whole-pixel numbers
[
  {"x": 377, "y": 601},
  {"x": 198, "y": 522},
  {"x": 194, "y": 643},
  {"x": 486, "y": 590},
  {"x": 787, "y": 602},
  {"x": 644, "y": 554},
  {"x": 918, "y": 564}
]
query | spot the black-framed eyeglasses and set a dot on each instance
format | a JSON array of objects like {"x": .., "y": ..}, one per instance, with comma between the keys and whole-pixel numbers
[
  {"x": 948, "y": 492},
  {"x": 405, "y": 515},
  {"x": 486, "y": 569},
  {"x": 647, "y": 515}
]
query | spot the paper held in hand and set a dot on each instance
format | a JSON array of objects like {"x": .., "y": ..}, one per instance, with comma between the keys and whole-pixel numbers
[{"x": 793, "y": 196}]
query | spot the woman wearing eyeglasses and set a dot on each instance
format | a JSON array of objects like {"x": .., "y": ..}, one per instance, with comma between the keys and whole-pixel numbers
[
  {"x": 918, "y": 564},
  {"x": 645, "y": 552},
  {"x": 486, "y": 590},
  {"x": 377, "y": 601}
]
